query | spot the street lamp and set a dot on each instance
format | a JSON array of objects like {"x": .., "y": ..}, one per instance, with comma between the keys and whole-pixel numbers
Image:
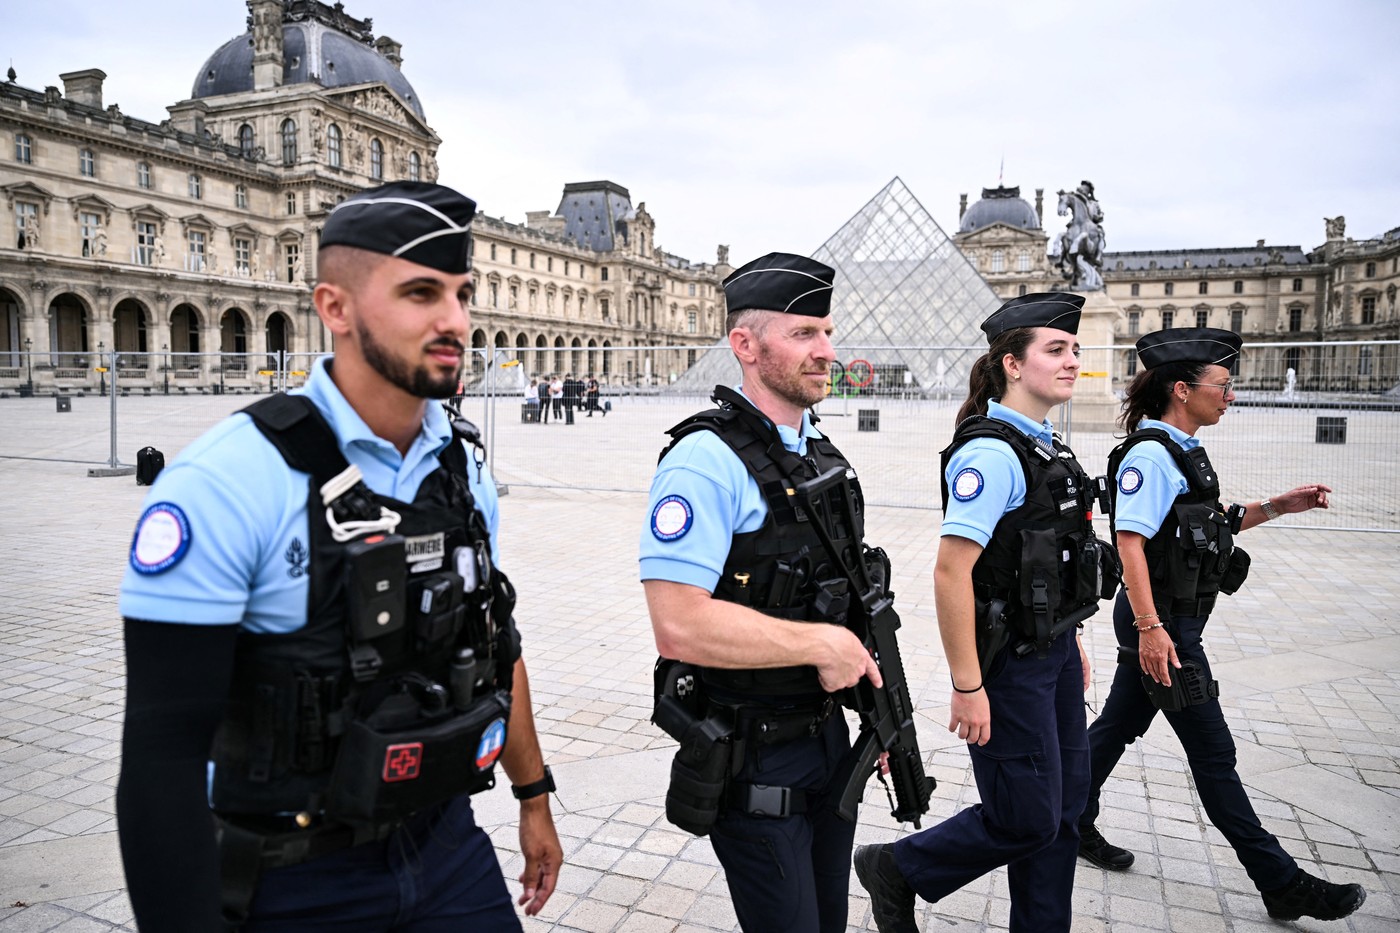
[
  {"x": 165, "y": 370},
  {"x": 28, "y": 368},
  {"x": 101, "y": 369}
]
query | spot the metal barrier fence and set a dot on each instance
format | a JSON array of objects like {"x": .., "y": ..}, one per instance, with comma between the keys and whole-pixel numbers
[{"x": 1336, "y": 420}]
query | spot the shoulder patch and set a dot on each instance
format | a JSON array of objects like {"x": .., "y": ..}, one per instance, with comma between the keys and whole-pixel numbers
[
  {"x": 967, "y": 485},
  {"x": 671, "y": 518},
  {"x": 162, "y": 538},
  {"x": 1130, "y": 481}
]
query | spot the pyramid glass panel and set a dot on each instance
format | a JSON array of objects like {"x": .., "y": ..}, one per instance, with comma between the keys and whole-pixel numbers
[{"x": 902, "y": 287}]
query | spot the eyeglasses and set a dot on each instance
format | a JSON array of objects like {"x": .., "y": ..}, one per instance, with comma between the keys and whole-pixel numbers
[{"x": 1225, "y": 388}]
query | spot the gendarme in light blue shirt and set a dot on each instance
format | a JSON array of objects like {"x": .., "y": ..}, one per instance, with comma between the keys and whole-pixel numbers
[
  {"x": 1149, "y": 481},
  {"x": 245, "y": 533},
  {"x": 701, "y": 497},
  {"x": 986, "y": 480}
]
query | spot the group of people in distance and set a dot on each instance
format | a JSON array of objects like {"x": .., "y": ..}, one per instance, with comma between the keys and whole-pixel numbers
[
  {"x": 323, "y": 664},
  {"x": 550, "y": 391}
]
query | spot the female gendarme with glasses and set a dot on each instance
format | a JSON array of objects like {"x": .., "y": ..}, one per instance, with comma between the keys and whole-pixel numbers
[{"x": 1176, "y": 543}]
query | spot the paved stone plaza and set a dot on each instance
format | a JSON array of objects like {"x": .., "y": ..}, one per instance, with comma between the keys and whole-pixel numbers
[{"x": 1308, "y": 656}]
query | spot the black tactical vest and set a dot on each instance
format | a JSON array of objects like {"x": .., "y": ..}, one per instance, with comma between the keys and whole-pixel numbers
[
  {"x": 1043, "y": 558},
  {"x": 370, "y": 726},
  {"x": 782, "y": 569},
  {"x": 1192, "y": 557}
]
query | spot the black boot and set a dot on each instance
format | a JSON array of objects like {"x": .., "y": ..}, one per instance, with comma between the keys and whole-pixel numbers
[
  {"x": 1310, "y": 896},
  {"x": 891, "y": 898},
  {"x": 1095, "y": 848}
]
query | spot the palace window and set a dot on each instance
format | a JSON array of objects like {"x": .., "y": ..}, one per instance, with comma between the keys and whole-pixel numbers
[
  {"x": 1167, "y": 319},
  {"x": 603, "y": 308},
  {"x": 289, "y": 142},
  {"x": 1237, "y": 320},
  {"x": 1023, "y": 261},
  {"x": 291, "y": 202},
  {"x": 197, "y": 243},
  {"x": 566, "y": 267},
  {"x": 1368, "y": 309},
  {"x": 1202, "y": 318},
  {"x": 87, "y": 163},
  {"x": 333, "y": 150},
  {"x": 415, "y": 167},
  {"x": 495, "y": 290},
  {"x": 1370, "y": 270},
  {"x": 1134, "y": 322},
  {"x": 1363, "y": 361},
  {"x": 1135, "y": 289},
  {"x": 549, "y": 263},
  {"x": 1203, "y": 288},
  {"x": 998, "y": 261},
  {"x": 240, "y": 196},
  {"x": 1168, "y": 288},
  {"x": 603, "y": 274},
  {"x": 143, "y": 174},
  {"x": 512, "y": 255},
  {"x": 1295, "y": 320},
  {"x": 291, "y": 255},
  {"x": 1297, "y": 285},
  {"x": 242, "y": 256},
  {"x": 376, "y": 161},
  {"x": 493, "y": 252},
  {"x": 88, "y": 223},
  {"x": 196, "y": 186},
  {"x": 692, "y": 289},
  {"x": 145, "y": 242},
  {"x": 245, "y": 140},
  {"x": 532, "y": 260},
  {"x": 692, "y": 322},
  {"x": 24, "y": 149},
  {"x": 1239, "y": 288}
]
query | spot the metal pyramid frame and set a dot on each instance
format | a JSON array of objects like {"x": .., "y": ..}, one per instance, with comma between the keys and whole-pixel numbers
[{"x": 903, "y": 289}]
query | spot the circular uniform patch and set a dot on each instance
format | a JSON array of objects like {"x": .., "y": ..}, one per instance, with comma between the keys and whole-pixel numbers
[
  {"x": 162, "y": 538},
  {"x": 967, "y": 485},
  {"x": 671, "y": 518},
  {"x": 1130, "y": 481},
  {"x": 489, "y": 748}
]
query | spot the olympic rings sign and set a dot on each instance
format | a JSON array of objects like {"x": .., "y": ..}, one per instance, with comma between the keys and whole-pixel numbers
[{"x": 857, "y": 373}]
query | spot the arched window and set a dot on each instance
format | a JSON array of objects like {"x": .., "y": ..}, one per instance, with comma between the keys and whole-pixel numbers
[
  {"x": 245, "y": 139},
  {"x": 333, "y": 146},
  {"x": 376, "y": 160},
  {"x": 415, "y": 167},
  {"x": 289, "y": 142}
]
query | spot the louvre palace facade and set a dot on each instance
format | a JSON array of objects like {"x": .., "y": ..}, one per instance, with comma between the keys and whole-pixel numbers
[
  {"x": 1342, "y": 291},
  {"x": 188, "y": 245}
]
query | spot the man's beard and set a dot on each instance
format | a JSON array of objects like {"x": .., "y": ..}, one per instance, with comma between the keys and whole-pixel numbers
[
  {"x": 417, "y": 381},
  {"x": 792, "y": 387}
]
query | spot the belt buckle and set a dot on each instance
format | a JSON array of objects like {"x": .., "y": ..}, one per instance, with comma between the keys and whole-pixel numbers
[{"x": 766, "y": 800}]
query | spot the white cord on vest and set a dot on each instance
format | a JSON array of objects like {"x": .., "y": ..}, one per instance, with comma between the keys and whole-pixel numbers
[{"x": 387, "y": 521}]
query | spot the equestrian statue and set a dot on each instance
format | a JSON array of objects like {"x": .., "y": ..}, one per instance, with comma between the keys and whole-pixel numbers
[{"x": 1080, "y": 247}]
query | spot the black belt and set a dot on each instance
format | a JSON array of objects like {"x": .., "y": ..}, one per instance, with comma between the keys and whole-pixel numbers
[
  {"x": 768, "y": 726},
  {"x": 766, "y": 799},
  {"x": 1192, "y": 608}
]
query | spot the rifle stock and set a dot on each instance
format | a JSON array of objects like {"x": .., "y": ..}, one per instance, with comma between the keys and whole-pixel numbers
[{"x": 886, "y": 713}]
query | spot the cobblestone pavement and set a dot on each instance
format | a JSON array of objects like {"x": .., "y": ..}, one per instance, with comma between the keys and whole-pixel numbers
[{"x": 1308, "y": 656}]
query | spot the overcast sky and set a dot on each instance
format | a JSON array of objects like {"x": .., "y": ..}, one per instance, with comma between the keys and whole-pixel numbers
[{"x": 765, "y": 124}]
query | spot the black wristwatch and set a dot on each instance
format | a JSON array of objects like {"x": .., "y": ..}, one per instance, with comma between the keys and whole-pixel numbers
[{"x": 544, "y": 785}]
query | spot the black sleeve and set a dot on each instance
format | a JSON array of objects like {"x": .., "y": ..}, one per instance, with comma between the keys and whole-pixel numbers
[{"x": 177, "y": 683}]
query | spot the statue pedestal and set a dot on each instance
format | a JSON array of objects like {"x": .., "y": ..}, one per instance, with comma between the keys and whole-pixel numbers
[{"x": 1095, "y": 408}]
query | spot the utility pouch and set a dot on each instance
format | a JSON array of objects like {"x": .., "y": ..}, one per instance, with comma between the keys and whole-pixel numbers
[
  {"x": 384, "y": 775},
  {"x": 1190, "y": 687},
  {"x": 437, "y": 606},
  {"x": 1040, "y": 584},
  {"x": 699, "y": 774},
  {"x": 833, "y": 600},
  {"x": 375, "y": 572},
  {"x": 1236, "y": 571}
]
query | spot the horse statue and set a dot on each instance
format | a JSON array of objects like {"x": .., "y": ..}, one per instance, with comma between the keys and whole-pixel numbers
[{"x": 1080, "y": 247}]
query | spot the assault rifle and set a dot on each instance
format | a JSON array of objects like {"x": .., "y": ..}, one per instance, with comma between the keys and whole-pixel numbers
[{"x": 861, "y": 600}]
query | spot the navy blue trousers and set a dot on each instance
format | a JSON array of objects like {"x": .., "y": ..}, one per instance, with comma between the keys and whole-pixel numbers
[
  {"x": 438, "y": 873},
  {"x": 790, "y": 874},
  {"x": 1032, "y": 776},
  {"x": 1210, "y": 750}
]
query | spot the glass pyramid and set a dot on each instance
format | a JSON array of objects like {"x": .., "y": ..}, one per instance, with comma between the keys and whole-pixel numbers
[{"x": 905, "y": 298}]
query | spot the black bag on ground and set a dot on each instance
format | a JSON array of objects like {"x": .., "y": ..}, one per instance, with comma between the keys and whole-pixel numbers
[{"x": 149, "y": 463}]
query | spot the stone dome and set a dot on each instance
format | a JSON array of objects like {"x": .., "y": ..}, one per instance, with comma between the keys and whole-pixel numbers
[
  {"x": 999, "y": 205},
  {"x": 313, "y": 52}
]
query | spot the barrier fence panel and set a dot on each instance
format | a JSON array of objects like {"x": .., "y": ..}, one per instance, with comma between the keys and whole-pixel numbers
[{"x": 1335, "y": 420}]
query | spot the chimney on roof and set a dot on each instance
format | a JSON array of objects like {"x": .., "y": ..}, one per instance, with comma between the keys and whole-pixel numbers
[
  {"x": 391, "y": 50},
  {"x": 84, "y": 87},
  {"x": 265, "y": 23},
  {"x": 962, "y": 205},
  {"x": 1259, "y": 245}
]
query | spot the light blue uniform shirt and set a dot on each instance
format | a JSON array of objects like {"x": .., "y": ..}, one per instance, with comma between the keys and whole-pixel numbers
[
  {"x": 986, "y": 480},
  {"x": 225, "y": 529},
  {"x": 1149, "y": 481},
  {"x": 701, "y": 497}
]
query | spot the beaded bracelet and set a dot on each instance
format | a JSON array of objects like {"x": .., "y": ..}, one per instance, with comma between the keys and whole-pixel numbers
[
  {"x": 957, "y": 689},
  {"x": 1148, "y": 628}
]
